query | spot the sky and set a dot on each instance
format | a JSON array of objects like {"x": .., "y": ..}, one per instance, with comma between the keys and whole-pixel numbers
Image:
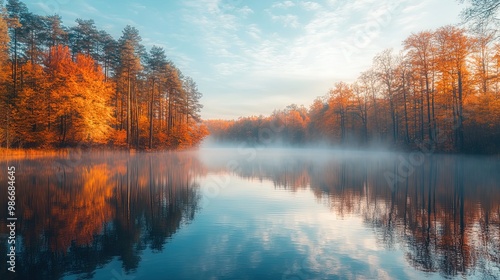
[{"x": 252, "y": 57}]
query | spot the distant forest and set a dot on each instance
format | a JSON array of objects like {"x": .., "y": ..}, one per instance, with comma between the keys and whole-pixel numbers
[
  {"x": 70, "y": 86},
  {"x": 440, "y": 93}
]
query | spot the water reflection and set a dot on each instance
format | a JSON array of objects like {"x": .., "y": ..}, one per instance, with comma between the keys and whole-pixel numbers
[
  {"x": 444, "y": 214},
  {"x": 74, "y": 218}
]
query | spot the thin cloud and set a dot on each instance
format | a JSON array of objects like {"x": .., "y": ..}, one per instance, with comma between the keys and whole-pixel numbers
[
  {"x": 311, "y": 6},
  {"x": 415, "y": 8},
  {"x": 254, "y": 31},
  {"x": 89, "y": 8},
  {"x": 283, "y": 5},
  {"x": 288, "y": 20},
  {"x": 137, "y": 6},
  {"x": 245, "y": 11}
]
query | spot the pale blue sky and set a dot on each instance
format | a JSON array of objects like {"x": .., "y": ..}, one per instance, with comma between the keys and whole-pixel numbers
[{"x": 251, "y": 57}]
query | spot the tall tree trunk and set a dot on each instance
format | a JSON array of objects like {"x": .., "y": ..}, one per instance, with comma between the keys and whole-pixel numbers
[
  {"x": 460, "y": 127},
  {"x": 415, "y": 113},
  {"x": 121, "y": 111},
  {"x": 428, "y": 99},
  {"x": 394, "y": 122},
  {"x": 375, "y": 113},
  {"x": 136, "y": 105},
  {"x": 422, "y": 131},
  {"x": 116, "y": 109},
  {"x": 407, "y": 134},
  {"x": 151, "y": 117},
  {"x": 434, "y": 122},
  {"x": 129, "y": 125},
  {"x": 365, "y": 122},
  {"x": 14, "y": 69},
  {"x": 169, "y": 121},
  {"x": 160, "y": 101},
  {"x": 455, "y": 116}
]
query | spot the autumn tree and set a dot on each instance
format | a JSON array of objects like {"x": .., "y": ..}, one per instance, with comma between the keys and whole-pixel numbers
[
  {"x": 369, "y": 82},
  {"x": 361, "y": 95},
  {"x": 32, "y": 108},
  {"x": 295, "y": 124},
  {"x": 5, "y": 95},
  {"x": 405, "y": 78},
  {"x": 317, "y": 119},
  {"x": 192, "y": 109},
  {"x": 421, "y": 54},
  {"x": 338, "y": 105},
  {"x": 385, "y": 65},
  {"x": 81, "y": 98},
  {"x": 454, "y": 49}
]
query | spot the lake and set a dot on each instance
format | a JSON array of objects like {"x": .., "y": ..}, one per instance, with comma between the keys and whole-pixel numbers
[{"x": 248, "y": 213}]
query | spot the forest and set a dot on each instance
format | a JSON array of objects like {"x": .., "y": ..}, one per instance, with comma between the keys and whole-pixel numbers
[
  {"x": 72, "y": 86},
  {"x": 441, "y": 92},
  {"x": 78, "y": 86}
]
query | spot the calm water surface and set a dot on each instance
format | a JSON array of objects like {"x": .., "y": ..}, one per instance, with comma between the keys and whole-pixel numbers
[{"x": 255, "y": 214}]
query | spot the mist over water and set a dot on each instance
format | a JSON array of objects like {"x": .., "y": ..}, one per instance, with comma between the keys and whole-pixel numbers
[
  {"x": 281, "y": 143},
  {"x": 256, "y": 213}
]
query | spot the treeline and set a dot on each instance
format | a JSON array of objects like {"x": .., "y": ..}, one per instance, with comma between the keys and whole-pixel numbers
[
  {"x": 442, "y": 92},
  {"x": 67, "y": 86}
]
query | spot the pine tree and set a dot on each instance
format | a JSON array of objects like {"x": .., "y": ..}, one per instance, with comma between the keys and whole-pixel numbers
[
  {"x": 130, "y": 65},
  {"x": 157, "y": 62}
]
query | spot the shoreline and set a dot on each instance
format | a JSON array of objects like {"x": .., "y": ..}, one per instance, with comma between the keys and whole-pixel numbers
[{"x": 15, "y": 153}]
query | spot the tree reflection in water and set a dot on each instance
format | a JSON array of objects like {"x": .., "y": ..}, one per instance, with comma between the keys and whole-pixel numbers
[
  {"x": 445, "y": 215},
  {"x": 74, "y": 219}
]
